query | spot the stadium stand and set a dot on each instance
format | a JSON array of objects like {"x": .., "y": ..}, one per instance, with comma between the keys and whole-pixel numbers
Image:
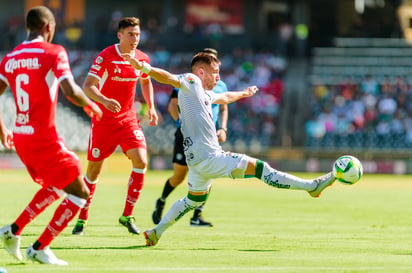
[{"x": 361, "y": 95}]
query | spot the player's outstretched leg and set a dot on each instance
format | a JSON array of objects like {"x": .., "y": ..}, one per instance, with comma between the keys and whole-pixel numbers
[
  {"x": 285, "y": 180},
  {"x": 11, "y": 242},
  {"x": 322, "y": 183},
  {"x": 44, "y": 256}
]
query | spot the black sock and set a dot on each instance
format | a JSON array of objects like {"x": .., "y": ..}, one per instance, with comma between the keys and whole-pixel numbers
[
  {"x": 167, "y": 189},
  {"x": 14, "y": 228},
  {"x": 36, "y": 245},
  {"x": 197, "y": 212}
]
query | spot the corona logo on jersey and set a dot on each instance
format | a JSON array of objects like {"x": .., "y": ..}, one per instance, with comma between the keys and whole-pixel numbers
[{"x": 29, "y": 63}]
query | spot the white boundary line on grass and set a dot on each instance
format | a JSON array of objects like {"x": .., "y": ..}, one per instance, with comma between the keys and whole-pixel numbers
[{"x": 214, "y": 269}]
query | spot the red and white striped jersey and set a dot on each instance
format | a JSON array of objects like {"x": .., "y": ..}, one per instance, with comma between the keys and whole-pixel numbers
[{"x": 117, "y": 79}]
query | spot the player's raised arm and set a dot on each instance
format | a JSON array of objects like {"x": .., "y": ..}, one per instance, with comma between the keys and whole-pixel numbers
[
  {"x": 156, "y": 73},
  {"x": 232, "y": 96}
]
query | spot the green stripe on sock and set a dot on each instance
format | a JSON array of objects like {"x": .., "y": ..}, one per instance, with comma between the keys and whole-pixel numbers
[
  {"x": 198, "y": 198},
  {"x": 259, "y": 168}
]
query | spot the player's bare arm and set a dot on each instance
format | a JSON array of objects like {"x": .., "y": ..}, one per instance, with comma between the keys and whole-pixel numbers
[
  {"x": 6, "y": 136},
  {"x": 158, "y": 74},
  {"x": 76, "y": 95},
  {"x": 91, "y": 90},
  {"x": 147, "y": 91},
  {"x": 173, "y": 108},
  {"x": 232, "y": 96},
  {"x": 222, "y": 131}
]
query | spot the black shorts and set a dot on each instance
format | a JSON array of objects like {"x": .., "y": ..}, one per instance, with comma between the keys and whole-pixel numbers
[{"x": 178, "y": 152}]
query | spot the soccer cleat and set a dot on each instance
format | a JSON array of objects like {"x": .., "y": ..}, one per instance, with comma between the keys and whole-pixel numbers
[
  {"x": 129, "y": 222},
  {"x": 11, "y": 242},
  {"x": 323, "y": 182},
  {"x": 79, "y": 227},
  {"x": 44, "y": 256},
  {"x": 157, "y": 213},
  {"x": 199, "y": 222},
  {"x": 151, "y": 237}
]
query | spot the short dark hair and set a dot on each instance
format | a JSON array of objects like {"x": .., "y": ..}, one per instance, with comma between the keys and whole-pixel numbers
[
  {"x": 210, "y": 51},
  {"x": 37, "y": 17},
  {"x": 128, "y": 22},
  {"x": 203, "y": 57}
]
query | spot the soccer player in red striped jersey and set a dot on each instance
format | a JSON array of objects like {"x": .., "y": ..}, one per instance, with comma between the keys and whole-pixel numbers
[
  {"x": 34, "y": 70},
  {"x": 111, "y": 82}
]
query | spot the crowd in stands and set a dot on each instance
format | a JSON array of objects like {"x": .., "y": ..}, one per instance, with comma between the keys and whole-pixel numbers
[{"x": 364, "y": 112}]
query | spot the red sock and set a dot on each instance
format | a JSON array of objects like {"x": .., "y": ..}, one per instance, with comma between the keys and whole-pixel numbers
[
  {"x": 133, "y": 192},
  {"x": 41, "y": 200},
  {"x": 64, "y": 213},
  {"x": 84, "y": 212}
]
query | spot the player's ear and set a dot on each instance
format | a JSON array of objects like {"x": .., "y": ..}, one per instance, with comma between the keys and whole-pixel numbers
[
  {"x": 48, "y": 27},
  {"x": 201, "y": 71}
]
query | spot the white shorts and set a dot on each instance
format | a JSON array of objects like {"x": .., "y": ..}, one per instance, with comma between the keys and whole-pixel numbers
[{"x": 221, "y": 164}]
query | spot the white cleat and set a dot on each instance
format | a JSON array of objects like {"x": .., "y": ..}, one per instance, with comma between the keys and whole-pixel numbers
[
  {"x": 11, "y": 242},
  {"x": 44, "y": 256},
  {"x": 323, "y": 182}
]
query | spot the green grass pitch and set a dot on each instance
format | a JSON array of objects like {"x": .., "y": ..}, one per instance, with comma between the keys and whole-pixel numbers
[{"x": 366, "y": 227}]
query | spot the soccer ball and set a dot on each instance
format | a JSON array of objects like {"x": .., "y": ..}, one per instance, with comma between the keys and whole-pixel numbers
[{"x": 347, "y": 169}]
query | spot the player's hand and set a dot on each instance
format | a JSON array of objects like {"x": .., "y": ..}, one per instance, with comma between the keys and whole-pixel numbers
[
  {"x": 112, "y": 105},
  {"x": 92, "y": 110},
  {"x": 133, "y": 62},
  {"x": 153, "y": 117},
  {"x": 6, "y": 137},
  {"x": 221, "y": 135},
  {"x": 251, "y": 90}
]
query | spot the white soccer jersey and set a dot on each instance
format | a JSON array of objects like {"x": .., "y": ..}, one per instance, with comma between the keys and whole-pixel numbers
[{"x": 198, "y": 127}]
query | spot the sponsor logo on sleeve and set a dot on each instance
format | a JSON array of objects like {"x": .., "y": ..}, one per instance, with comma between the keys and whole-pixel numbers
[{"x": 99, "y": 60}]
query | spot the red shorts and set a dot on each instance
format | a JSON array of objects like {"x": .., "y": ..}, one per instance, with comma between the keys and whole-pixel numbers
[
  {"x": 50, "y": 163},
  {"x": 107, "y": 134}
]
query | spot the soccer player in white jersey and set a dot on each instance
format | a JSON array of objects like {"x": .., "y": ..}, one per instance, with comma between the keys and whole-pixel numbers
[{"x": 205, "y": 158}]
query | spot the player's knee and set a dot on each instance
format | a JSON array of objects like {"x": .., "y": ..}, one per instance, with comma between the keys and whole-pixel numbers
[
  {"x": 239, "y": 171},
  {"x": 140, "y": 164}
]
